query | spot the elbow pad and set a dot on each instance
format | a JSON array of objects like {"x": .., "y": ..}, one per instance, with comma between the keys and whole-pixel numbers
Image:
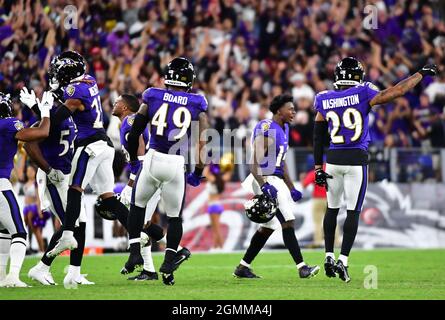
[{"x": 320, "y": 130}]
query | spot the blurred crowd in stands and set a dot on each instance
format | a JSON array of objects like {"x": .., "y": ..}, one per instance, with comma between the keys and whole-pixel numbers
[{"x": 244, "y": 52}]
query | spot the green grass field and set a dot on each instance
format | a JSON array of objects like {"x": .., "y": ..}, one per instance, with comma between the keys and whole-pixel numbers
[{"x": 402, "y": 274}]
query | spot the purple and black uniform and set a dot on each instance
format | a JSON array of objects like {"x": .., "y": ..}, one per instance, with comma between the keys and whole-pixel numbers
[
  {"x": 170, "y": 114},
  {"x": 347, "y": 113},
  {"x": 8, "y": 129},
  {"x": 89, "y": 125},
  {"x": 274, "y": 163},
  {"x": 127, "y": 123},
  {"x": 57, "y": 149}
]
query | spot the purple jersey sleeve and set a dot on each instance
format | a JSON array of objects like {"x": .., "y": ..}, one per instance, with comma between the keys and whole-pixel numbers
[
  {"x": 146, "y": 95},
  {"x": 8, "y": 129},
  {"x": 262, "y": 129},
  {"x": 127, "y": 123},
  {"x": 371, "y": 90},
  {"x": 204, "y": 104},
  {"x": 74, "y": 91}
]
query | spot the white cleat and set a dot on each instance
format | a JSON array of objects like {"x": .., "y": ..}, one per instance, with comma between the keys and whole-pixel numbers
[
  {"x": 72, "y": 282},
  {"x": 68, "y": 243},
  {"x": 42, "y": 276},
  {"x": 13, "y": 282},
  {"x": 83, "y": 280}
]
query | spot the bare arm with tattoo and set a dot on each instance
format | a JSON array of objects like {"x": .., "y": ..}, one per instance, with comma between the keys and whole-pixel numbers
[{"x": 403, "y": 86}]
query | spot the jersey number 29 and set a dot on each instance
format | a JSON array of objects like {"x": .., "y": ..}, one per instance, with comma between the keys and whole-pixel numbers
[{"x": 352, "y": 120}]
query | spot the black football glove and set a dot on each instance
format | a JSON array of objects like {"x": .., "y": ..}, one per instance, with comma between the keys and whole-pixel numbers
[
  {"x": 429, "y": 70},
  {"x": 321, "y": 178}
]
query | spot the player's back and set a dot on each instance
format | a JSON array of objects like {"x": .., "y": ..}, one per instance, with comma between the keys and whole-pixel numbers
[
  {"x": 89, "y": 122},
  {"x": 347, "y": 112},
  {"x": 57, "y": 147},
  {"x": 170, "y": 115},
  {"x": 8, "y": 129}
]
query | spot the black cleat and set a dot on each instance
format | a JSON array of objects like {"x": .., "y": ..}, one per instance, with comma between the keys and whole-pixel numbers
[
  {"x": 308, "y": 271},
  {"x": 244, "y": 272},
  {"x": 342, "y": 271},
  {"x": 168, "y": 279},
  {"x": 329, "y": 267},
  {"x": 132, "y": 263},
  {"x": 166, "y": 271},
  {"x": 181, "y": 256},
  {"x": 144, "y": 276}
]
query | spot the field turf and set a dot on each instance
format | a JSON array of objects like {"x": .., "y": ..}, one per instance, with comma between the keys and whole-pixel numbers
[{"x": 401, "y": 274}]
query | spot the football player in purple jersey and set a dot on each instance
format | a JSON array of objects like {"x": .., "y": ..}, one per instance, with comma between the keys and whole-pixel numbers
[
  {"x": 170, "y": 113},
  {"x": 125, "y": 108},
  {"x": 94, "y": 153},
  {"x": 12, "y": 231},
  {"x": 53, "y": 156},
  {"x": 344, "y": 113},
  {"x": 269, "y": 175}
]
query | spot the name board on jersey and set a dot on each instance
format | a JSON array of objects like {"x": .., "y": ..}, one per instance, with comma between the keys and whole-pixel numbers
[
  {"x": 341, "y": 102},
  {"x": 175, "y": 99},
  {"x": 94, "y": 90}
]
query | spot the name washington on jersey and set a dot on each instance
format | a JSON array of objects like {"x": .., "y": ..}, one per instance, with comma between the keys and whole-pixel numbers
[{"x": 341, "y": 102}]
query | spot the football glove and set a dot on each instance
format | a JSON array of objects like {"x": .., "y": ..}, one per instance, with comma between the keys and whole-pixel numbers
[
  {"x": 296, "y": 195},
  {"x": 46, "y": 104},
  {"x": 28, "y": 98},
  {"x": 55, "y": 176},
  {"x": 193, "y": 179},
  {"x": 269, "y": 190},
  {"x": 126, "y": 195},
  {"x": 321, "y": 178},
  {"x": 429, "y": 70}
]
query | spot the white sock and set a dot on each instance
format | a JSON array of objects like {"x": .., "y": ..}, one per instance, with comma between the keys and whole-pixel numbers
[
  {"x": 67, "y": 234},
  {"x": 244, "y": 263},
  {"x": 5, "y": 244},
  {"x": 74, "y": 270},
  {"x": 330, "y": 254},
  {"x": 301, "y": 264},
  {"x": 148, "y": 260},
  {"x": 343, "y": 259},
  {"x": 43, "y": 266},
  {"x": 17, "y": 253}
]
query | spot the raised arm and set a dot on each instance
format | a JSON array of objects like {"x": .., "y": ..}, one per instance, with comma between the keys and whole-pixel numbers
[
  {"x": 42, "y": 131},
  {"x": 65, "y": 110},
  {"x": 403, "y": 86}
]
